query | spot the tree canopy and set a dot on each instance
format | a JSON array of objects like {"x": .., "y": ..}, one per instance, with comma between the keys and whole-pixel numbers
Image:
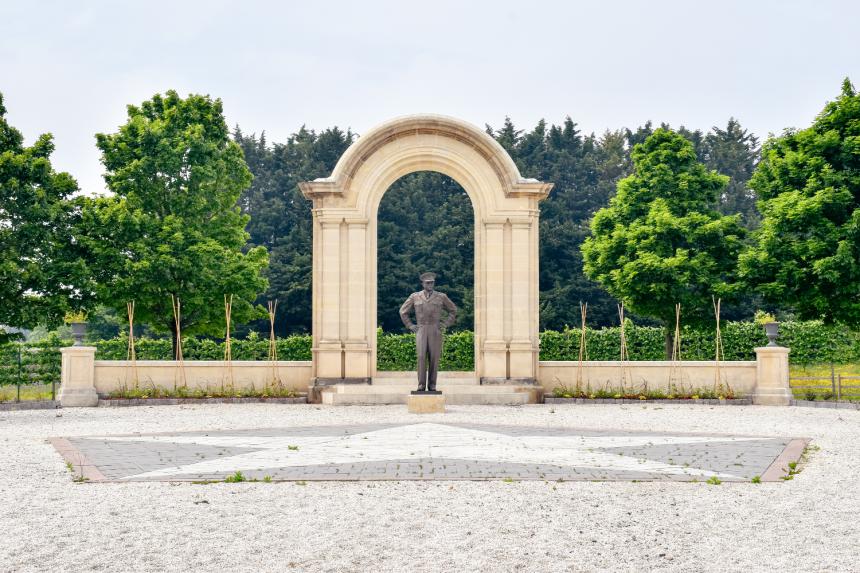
[
  {"x": 173, "y": 226},
  {"x": 585, "y": 169},
  {"x": 38, "y": 273},
  {"x": 807, "y": 253},
  {"x": 660, "y": 241}
]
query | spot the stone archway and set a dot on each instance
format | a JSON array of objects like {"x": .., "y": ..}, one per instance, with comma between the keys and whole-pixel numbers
[{"x": 506, "y": 212}]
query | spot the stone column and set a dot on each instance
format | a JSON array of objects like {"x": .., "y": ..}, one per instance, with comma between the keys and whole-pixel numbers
[
  {"x": 328, "y": 353},
  {"x": 772, "y": 387},
  {"x": 356, "y": 345},
  {"x": 520, "y": 347},
  {"x": 77, "y": 386},
  {"x": 495, "y": 347}
]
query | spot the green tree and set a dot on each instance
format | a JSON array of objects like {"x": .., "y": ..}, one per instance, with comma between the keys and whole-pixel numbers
[
  {"x": 734, "y": 152},
  {"x": 172, "y": 226},
  {"x": 280, "y": 216},
  {"x": 808, "y": 246},
  {"x": 37, "y": 268},
  {"x": 660, "y": 241}
]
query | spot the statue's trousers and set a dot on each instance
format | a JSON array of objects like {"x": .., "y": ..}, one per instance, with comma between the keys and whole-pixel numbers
[{"x": 428, "y": 344}]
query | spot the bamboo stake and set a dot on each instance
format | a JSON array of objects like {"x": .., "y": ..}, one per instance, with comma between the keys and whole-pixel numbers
[
  {"x": 583, "y": 349},
  {"x": 624, "y": 355},
  {"x": 131, "y": 356},
  {"x": 273, "y": 346},
  {"x": 676, "y": 372},
  {"x": 228, "y": 351},
  {"x": 180, "y": 365},
  {"x": 718, "y": 349}
]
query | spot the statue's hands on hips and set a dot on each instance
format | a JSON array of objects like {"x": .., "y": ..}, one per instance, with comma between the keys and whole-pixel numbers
[{"x": 413, "y": 328}]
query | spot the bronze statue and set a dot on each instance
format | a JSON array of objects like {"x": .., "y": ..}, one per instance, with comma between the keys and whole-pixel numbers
[{"x": 428, "y": 305}]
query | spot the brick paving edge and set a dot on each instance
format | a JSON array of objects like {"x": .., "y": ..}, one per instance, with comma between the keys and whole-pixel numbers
[
  {"x": 826, "y": 404},
  {"x": 29, "y": 405},
  {"x": 128, "y": 402},
  {"x": 587, "y": 401}
]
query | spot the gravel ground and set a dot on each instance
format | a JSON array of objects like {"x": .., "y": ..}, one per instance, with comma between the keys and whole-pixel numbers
[{"x": 49, "y": 523}]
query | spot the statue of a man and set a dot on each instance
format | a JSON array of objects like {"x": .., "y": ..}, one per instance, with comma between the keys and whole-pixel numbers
[{"x": 428, "y": 305}]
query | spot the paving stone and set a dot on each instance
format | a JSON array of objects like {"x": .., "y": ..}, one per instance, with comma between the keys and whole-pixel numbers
[{"x": 428, "y": 451}]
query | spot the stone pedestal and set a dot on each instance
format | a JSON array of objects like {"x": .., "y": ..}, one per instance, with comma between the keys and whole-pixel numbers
[
  {"x": 426, "y": 403},
  {"x": 772, "y": 388},
  {"x": 77, "y": 386}
]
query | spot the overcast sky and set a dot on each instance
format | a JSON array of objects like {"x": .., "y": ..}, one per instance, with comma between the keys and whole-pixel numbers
[{"x": 70, "y": 68}]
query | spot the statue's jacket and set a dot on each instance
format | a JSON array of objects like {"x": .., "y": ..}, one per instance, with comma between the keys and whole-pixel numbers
[{"x": 428, "y": 311}]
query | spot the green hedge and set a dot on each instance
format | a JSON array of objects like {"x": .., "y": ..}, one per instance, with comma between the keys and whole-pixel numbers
[
  {"x": 39, "y": 361},
  {"x": 251, "y": 348},
  {"x": 811, "y": 342}
]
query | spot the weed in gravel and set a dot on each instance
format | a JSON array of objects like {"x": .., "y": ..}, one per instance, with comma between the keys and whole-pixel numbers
[
  {"x": 756, "y": 479},
  {"x": 713, "y": 480},
  {"x": 70, "y": 467},
  {"x": 293, "y": 448},
  {"x": 267, "y": 479},
  {"x": 235, "y": 478}
]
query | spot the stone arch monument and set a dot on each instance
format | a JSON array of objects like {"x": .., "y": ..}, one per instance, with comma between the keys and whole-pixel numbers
[{"x": 505, "y": 207}]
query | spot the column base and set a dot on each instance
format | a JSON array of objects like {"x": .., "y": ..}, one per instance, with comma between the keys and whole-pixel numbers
[
  {"x": 772, "y": 397},
  {"x": 78, "y": 397}
]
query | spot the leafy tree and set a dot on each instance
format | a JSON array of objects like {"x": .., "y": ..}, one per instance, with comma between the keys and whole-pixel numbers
[
  {"x": 280, "y": 216},
  {"x": 660, "y": 242},
  {"x": 734, "y": 151},
  {"x": 808, "y": 182},
  {"x": 37, "y": 270},
  {"x": 172, "y": 226}
]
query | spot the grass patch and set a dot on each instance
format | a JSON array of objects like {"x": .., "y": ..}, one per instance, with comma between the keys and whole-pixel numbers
[
  {"x": 822, "y": 388},
  {"x": 237, "y": 477},
  {"x": 146, "y": 392},
  {"x": 9, "y": 393},
  {"x": 589, "y": 393}
]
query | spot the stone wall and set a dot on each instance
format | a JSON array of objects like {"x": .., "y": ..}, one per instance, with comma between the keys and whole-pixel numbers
[
  {"x": 111, "y": 375},
  {"x": 740, "y": 376}
]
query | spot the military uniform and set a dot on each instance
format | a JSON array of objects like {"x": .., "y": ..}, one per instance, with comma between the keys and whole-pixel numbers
[{"x": 428, "y": 339}]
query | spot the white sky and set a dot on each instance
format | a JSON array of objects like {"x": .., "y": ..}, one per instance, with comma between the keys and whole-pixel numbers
[{"x": 70, "y": 68}]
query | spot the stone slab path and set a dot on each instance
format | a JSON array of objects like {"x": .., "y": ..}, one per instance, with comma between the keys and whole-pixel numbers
[{"x": 429, "y": 451}]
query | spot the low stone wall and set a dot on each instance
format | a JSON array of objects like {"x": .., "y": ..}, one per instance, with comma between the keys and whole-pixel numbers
[
  {"x": 84, "y": 378},
  {"x": 111, "y": 375},
  {"x": 740, "y": 376}
]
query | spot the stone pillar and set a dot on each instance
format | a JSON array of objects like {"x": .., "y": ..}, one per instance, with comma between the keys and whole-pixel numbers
[
  {"x": 77, "y": 386},
  {"x": 356, "y": 338},
  {"x": 772, "y": 387},
  {"x": 495, "y": 347},
  {"x": 328, "y": 352},
  {"x": 520, "y": 347}
]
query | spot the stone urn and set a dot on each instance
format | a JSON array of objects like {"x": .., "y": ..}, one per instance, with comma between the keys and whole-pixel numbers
[
  {"x": 771, "y": 329},
  {"x": 79, "y": 330}
]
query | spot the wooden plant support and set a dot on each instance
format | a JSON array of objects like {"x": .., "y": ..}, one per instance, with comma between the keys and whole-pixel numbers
[
  {"x": 622, "y": 369},
  {"x": 180, "y": 365},
  {"x": 273, "y": 345},
  {"x": 720, "y": 384},
  {"x": 676, "y": 371},
  {"x": 583, "y": 351},
  {"x": 228, "y": 351},
  {"x": 131, "y": 356}
]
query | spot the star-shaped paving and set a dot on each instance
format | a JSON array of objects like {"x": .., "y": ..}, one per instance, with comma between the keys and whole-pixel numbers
[{"x": 441, "y": 451}]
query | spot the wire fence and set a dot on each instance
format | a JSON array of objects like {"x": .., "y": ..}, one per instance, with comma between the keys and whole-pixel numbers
[
  {"x": 29, "y": 371},
  {"x": 826, "y": 387}
]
